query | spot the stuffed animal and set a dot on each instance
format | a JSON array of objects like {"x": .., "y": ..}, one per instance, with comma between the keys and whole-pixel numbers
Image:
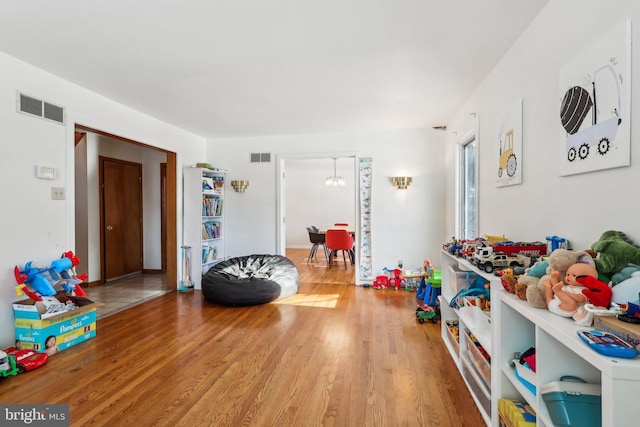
[
  {"x": 614, "y": 252},
  {"x": 508, "y": 280},
  {"x": 530, "y": 278},
  {"x": 624, "y": 274},
  {"x": 559, "y": 261}
]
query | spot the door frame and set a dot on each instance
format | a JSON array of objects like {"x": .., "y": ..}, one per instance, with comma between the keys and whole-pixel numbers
[
  {"x": 281, "y": 230},
  {"x": 171, "y": 205}
]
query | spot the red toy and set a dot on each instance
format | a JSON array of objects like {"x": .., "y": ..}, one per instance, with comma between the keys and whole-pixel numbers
[
  {"x": 598, "y": 293},
  {"x": 381, "y": 282},
  {"x": 397, "y": 280},
  {"x": 27, "y": 360}
]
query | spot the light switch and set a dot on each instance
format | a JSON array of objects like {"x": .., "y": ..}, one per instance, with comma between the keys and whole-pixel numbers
[{"x": 57, "y": 193}]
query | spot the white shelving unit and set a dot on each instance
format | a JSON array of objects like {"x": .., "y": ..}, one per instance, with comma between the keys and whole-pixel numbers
[
  {"x": 203, "y": 220},
  {"x": 514, "y": 326},
  {"x": 559, "y": 351},
  {"x": 479, "y": 377}
]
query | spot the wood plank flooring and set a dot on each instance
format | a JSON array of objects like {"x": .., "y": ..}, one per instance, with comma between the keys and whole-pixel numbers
[{"x": 332, "y": 355}]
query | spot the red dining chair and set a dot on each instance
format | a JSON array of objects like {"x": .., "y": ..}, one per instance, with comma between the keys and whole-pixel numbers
[{"x": 339, "y": 240}]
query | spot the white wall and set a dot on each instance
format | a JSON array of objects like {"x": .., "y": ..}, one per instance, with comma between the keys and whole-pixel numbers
[
  {"x": 33, "y": 226},
  {"x": 406, "y": 225},
  {"x": 578, "y": 207},
  {"x": 329, "y": 204}
]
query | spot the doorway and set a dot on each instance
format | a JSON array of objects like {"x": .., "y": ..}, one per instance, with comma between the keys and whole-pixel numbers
[
  {"x": 121, "y": 218},
  {"x": 305, "y": 200},
  {"x": 159, "y": 218}
]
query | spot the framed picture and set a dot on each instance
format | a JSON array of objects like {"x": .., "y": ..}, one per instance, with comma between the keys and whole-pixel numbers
[
  {"x": 509, "y": 147},
  {"x": 595, "y": 101}
]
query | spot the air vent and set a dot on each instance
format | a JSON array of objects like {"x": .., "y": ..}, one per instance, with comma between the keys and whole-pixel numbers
[
  {"x": 36, "y": 107},
  {"x": 260, "y": 157}
]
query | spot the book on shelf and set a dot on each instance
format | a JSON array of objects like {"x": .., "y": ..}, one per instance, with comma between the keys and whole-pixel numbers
[
  {"x": 210, "y": 230},
  {"x": 212, "y": 206},
  {"x": 218, "y": 184},
  {"x": 209, "y": 253}
]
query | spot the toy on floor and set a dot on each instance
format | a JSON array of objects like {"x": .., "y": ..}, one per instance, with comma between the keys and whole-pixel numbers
[
  {"x": 42, "y": 281},
  {"x": 381, "y": 282},
  {"x": 425, "y": 312},
  {"x": 7, "y": 365},
  {"x": 397, "y": 280},
  {"x": 27, "y": 359}
]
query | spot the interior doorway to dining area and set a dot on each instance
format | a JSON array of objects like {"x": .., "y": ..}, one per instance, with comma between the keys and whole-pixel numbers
[{"x": 319, "y": 195}]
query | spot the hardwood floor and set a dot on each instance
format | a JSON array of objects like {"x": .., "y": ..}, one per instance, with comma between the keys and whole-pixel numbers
[{"x": 332, "y": 355}]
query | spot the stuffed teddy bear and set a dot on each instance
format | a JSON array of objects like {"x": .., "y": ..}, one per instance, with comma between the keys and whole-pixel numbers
[
  {"x": 614, "y": 252},
  {"x": 530, "y": 277},
  {"x": 559, "y": 261}
]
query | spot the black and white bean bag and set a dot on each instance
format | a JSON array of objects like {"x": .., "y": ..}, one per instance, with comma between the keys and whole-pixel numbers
[{"x": 251, "y": 280}]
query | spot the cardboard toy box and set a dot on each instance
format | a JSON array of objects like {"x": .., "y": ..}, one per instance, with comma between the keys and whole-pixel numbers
[
  {"x": 626, "y": 331},
  {"x": 34, "y": 326}
]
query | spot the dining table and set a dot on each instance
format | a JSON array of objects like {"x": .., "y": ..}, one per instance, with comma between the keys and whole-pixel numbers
[{"x": 348, "y": 229}]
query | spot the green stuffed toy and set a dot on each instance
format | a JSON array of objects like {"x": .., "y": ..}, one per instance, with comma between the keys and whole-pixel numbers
[{"x": 614, "y": 252}]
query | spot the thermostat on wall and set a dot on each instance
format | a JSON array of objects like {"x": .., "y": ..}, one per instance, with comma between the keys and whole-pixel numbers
[{"x": 45, "y": 172}]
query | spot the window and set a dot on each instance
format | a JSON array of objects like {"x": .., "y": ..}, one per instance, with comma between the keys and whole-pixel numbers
[{"x": 467, "y": 189}]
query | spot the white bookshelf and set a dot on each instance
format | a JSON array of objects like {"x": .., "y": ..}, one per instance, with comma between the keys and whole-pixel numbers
[{"x": 203, "y": 220}]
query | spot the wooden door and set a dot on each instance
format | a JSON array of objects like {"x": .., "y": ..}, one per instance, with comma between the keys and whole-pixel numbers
[{"x": 122, "y": 218}]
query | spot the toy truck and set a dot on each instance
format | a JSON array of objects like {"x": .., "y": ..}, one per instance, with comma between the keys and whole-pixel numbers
[
  {"x": 524, "y": 248},
  {"x": 7, "y": 365},
  {"x": 499, "y": 260}
]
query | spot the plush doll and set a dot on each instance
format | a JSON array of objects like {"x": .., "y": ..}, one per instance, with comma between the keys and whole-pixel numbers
[
  {"x": 614, "y": 252},
  {"x": 559, "y": 261},
  {"x": 579, "y": 286}
]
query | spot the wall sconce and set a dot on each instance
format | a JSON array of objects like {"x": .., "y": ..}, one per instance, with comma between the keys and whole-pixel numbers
[
  {"x": 401, "y": 182},
  {"x": 240, "y": 185}
]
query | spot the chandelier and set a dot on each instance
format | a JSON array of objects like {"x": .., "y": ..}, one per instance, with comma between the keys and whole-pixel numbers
[{"x": 335, "y": 180}]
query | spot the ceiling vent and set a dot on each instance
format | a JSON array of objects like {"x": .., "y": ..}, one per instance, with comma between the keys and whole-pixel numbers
[
  {"x": 260, "y": 157},
  {"x": 37, "y": 107}
]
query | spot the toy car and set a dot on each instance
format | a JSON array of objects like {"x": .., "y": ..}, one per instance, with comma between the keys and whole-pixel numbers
[
  {"x": 7, "y": 365},
  {"x": 424, "y": 313},
  {"x": 26, "y": 359}
]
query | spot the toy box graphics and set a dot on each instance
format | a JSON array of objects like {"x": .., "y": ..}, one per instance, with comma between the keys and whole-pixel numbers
[
  {"x": 69, "y": 328},
  {"x": 629, "y": 332},
  {"x": 69, "y": 331}
]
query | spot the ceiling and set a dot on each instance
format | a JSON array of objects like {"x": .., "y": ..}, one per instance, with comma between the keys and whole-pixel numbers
[{"x": 234, "y": 68}]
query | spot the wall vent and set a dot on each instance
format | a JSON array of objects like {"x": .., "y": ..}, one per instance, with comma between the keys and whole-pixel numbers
[
  {"x": 260, "y": 157},
  {"x": 37, "y": 107}
]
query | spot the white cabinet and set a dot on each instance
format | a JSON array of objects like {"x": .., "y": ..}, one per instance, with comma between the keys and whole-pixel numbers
[
  {"x": 203, "y": 219},
  {"x": 513, "y": 325},
  {"x": 471, "y": 321},
  {"x": 559, "y": 352}
]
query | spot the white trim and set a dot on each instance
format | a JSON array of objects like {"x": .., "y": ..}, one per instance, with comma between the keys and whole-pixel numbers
[{"x": 471, "y": 135}]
